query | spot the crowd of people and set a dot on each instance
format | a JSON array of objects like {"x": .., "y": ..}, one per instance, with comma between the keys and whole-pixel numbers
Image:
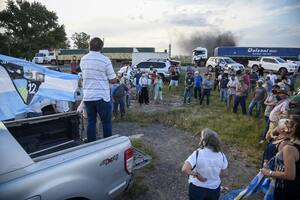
[
  {"x": 206, "y": 165},
  {"x": 281, "y": 159}
]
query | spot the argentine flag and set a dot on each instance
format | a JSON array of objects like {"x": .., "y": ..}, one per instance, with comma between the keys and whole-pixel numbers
[{"x": 23, "y": 84}]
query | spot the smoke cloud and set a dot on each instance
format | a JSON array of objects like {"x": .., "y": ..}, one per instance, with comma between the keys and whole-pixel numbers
[{"x": 208, "y": 40}]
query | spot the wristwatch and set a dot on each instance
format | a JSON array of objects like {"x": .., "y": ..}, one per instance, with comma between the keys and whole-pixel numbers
[{"x": 270, "y": 173}]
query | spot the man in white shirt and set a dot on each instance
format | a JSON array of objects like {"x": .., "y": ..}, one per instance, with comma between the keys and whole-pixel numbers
[
  {"x": 144, "y": 94},
  {"x": 232, "y": 84},
  {"x": 273, "y": 77},
  {"x": 97, "y": 73}
]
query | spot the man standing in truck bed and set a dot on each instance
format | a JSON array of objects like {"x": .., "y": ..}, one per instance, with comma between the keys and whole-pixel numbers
[{"x": 97, "y": 73}]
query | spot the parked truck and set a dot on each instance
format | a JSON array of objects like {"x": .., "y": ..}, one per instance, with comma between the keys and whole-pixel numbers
[
  {"x": 44, "y": 56},
  {"x": 275, "y": 64},
  {"x": 199, "y": 56},
  {"x": 43, "y": 158}
]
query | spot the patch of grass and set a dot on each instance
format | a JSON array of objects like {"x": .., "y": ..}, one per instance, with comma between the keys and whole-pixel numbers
[
  {"x": 136, "y": 188},
  {"x": 244, "y": 132}
]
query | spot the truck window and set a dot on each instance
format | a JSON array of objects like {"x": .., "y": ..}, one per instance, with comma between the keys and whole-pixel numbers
[
  {"x": 229, "y": 61},
  {"x": 269, "y": 60},
  {"x": 196, "y": 53},
  {"x": 280, "y": 60}
]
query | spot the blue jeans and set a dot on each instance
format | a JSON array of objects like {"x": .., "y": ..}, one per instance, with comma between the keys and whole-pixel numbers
[
  {"x": 239, "y": 100},
  {"x": 206, "y": 92},
  {"x": 103, "y": 109},
  {"x": 187, "y": 94},
  {"x": 197, "y": 93},
  {"x": 223, "y": 94},
  {"x": 257, "y": 105},
  {"x": 201, "y": 193},
  {"x": 138, "y": 89}
]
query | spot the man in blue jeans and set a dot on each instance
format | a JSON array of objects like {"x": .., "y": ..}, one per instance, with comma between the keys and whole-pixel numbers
[
  {"x": 97, "y": 73},
  {"x": 260, "y": 94}
]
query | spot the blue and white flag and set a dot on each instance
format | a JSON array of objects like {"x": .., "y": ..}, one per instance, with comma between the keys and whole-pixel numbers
[{"x": 23, "y": 83}]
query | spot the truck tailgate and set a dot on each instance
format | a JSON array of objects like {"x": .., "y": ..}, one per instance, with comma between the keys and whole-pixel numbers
[{"x": 140, "y": 159}]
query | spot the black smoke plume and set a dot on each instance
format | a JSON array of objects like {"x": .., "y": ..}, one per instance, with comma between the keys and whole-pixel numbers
[{"x": 208, "y": 40}]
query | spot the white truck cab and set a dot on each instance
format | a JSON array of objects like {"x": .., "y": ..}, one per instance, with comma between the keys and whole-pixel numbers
[
  {"x": 199, "y": 56},
  {"x": 44, "y": 56}
]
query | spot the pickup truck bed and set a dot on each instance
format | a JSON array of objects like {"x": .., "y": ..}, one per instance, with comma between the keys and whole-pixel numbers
[
  {"x": 46, "y": 134},
  {"x": 55, "y": 164}
]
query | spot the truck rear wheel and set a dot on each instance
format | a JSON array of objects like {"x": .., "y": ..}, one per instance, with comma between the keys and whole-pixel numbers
[
  {"x": 255, "y": 68},
  {"x": 53, "y": 62}
]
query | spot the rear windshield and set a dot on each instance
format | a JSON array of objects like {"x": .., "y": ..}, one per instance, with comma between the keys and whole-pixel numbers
[
  {"x": 157, "y": 65},
  {"x": 229, "y": 61}
]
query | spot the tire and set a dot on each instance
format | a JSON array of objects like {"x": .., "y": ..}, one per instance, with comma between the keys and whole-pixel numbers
[
  {"x": 53, "y": 62},
  {"x": 210, "y": 68},
  {"x": 283, "y": 71},
  {"x": 255, "y": 68}
]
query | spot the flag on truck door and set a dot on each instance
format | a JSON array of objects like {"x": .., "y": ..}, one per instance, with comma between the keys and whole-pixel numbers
[{"x": 24, "y": 83}]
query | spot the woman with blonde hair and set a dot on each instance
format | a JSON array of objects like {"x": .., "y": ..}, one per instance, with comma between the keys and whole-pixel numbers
[
  {"x": 205, "y": 167},
  {"x": 287, "y": 167}
]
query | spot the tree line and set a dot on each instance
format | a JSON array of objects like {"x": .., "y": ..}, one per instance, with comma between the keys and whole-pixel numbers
[{"x": 28, "y": 27}]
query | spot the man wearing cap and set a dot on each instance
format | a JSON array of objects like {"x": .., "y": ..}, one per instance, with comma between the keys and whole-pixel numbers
[
  {"x": 260, "y": 94},
  {"x": 240, "y": 97},
  {"x": 280, "y": 109}
]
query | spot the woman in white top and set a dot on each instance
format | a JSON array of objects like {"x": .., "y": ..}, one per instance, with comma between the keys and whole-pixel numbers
[{"x": 205, "y": 167}]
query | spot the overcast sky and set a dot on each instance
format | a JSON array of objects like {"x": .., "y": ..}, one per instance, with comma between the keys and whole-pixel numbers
[{"x": 156, "y": 23}]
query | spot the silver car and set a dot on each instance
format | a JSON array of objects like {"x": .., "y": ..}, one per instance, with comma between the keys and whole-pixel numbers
[{"x": 225, "y": 63}]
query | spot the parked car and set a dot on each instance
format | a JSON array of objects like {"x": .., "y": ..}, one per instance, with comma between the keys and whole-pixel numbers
[
  {"x": 296, "y": 62},
  {"x": 275, "y": 64},
  {"x": 162, "y": 66},
  {"x": 225, "y": 63},
  {"x": 44, "y": 158}
]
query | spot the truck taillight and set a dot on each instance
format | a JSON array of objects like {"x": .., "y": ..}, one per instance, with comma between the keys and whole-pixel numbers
[{"x": 128, "y": 160}]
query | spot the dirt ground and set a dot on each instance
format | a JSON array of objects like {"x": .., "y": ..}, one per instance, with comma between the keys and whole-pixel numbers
[{"x": 172, "y": 147}]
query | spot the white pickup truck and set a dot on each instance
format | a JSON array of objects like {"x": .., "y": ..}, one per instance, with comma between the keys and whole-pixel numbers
[
  {"x": 53, "y": 164},
  {"x": 275, "y": 64}
]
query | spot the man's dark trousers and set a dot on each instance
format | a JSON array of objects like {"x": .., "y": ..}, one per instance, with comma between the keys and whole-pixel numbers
[{"x": 104, "y": 110}]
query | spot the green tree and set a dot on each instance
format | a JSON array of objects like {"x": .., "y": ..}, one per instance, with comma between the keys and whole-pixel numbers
[
  {"x": 81, "y": 40},
  {"x": 29, "y": 27}
]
